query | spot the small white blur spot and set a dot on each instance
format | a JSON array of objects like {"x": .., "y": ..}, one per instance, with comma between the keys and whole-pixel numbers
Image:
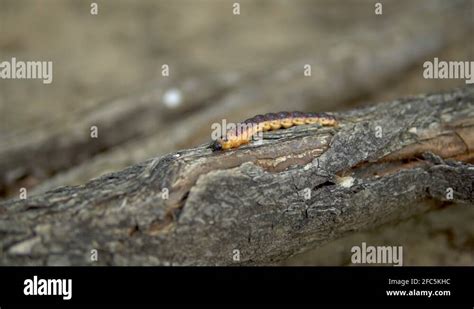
[
  {"x": 172, "y": 98},
  {"x": 346, "y": 182}
]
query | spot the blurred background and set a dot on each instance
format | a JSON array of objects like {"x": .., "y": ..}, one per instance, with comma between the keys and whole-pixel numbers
[{"x": 108, "y": 74}]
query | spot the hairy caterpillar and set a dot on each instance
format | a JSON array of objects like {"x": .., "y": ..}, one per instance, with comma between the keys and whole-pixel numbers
[{"x": 271, "y": 121}]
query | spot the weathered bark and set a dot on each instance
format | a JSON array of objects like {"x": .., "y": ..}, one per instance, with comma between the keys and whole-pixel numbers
[
  {"x": 352, "y": 52},
  {"x": 382, "y": 164}
]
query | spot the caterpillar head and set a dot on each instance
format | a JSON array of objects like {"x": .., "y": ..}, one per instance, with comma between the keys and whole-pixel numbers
[{"x": 215, "y": 145}]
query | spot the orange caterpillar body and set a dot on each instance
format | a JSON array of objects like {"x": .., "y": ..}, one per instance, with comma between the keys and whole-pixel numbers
[{"x": 272, "y": 121}]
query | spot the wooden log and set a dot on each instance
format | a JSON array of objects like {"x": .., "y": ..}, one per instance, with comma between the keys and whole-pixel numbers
[{"x": 300, "y": 188}]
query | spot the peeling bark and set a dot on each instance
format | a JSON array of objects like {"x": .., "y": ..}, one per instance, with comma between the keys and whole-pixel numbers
[{"x": 254, "y": 199}]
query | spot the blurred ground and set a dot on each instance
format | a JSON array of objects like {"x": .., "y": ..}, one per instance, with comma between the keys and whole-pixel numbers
[{"x": 223, "y": 66}]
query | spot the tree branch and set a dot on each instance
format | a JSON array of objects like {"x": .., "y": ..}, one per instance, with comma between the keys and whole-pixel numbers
[{"x": 299, "y": 189}]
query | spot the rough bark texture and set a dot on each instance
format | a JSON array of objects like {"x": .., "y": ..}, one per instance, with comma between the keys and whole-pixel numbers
[
  {"x": 382, "y": 164},
  {"x": 223, "y": 67}
]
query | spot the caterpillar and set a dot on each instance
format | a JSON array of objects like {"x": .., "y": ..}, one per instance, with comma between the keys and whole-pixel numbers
[{"x": 271, "y": 121}]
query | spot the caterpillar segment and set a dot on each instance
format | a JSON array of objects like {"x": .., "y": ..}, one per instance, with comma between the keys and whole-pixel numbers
[{"x": 244, "y": 132}]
